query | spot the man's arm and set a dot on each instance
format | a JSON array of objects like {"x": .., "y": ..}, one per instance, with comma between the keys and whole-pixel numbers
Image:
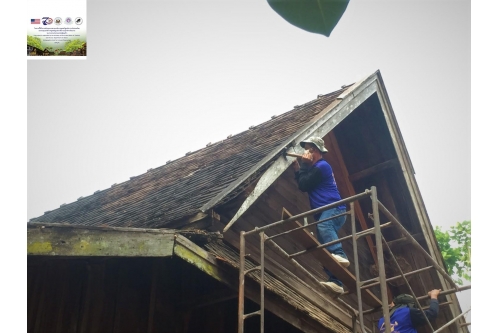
[
  {"x": 417, "y": 318},
  {"x": 308, "y": 178}
]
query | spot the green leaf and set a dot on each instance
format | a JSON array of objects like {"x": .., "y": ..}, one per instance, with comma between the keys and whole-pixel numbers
[
  {"x": 317, "y": 16},
  {"x": 35, "y": 42},
  {"x": 73, "y": 45},
  {"x": 456, "y": 258}
]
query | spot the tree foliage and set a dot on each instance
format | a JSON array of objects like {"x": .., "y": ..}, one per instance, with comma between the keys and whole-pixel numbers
[
  {"x": 318, "y": 16},
  {"x": 35, "y": 42},
  {"x": 73, "y": 45},
  {"x": 455, "y": 247}
]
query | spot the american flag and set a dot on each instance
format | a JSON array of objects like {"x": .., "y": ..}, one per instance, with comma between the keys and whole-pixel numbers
[{"x": 35, "y": 21}]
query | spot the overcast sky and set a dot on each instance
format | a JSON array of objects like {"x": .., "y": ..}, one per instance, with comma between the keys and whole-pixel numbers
[{"x": 166, "y": 77}]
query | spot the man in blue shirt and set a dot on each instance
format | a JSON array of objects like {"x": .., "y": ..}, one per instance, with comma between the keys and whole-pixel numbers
[
  {"x": 315, "y": 176},
  {"x": 405, "y": 315}
]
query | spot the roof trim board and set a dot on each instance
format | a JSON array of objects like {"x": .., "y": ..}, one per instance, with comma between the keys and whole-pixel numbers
[
  {"x": 346, "y": 105},
  {"x": 55, "y": 239},
  {"x": 416, "y": 196},
  {"x": 320, "y": 125}
]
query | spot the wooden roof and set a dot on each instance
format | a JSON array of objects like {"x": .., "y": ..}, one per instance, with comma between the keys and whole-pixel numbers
[{"x": 182, "y": 187}]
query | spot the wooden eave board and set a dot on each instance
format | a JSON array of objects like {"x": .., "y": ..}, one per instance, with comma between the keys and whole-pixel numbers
[{"x": 67, "y": 240}]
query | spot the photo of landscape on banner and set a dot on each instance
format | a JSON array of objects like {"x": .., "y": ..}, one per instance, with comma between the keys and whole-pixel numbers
[{"x": 57, "y": 30}]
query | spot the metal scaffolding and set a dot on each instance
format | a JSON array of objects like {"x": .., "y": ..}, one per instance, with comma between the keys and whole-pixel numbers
[{"x": 380, "y": 243}]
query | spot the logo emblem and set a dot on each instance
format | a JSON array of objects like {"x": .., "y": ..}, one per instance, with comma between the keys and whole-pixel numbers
[
  {"x": 57, "y": 21},
  {"x": 78, "y": 20},
  {"x": 47, "y": 20},
  {"x": 68, "y": 20}
]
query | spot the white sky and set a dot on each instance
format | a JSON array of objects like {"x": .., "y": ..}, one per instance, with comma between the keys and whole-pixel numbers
[
  {"x": 188, "y": 73},
  {"x": 166, "y": 77}
]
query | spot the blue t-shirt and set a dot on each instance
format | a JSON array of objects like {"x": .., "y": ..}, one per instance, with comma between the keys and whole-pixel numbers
[
  {"x": 319, "y": 182},
  {"x": 400, "y": 322}
]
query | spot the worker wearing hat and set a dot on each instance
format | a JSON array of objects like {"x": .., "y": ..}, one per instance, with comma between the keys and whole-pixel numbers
[
  {"x": 405, "y": 315},
  {"x": 315, "y": 176}
]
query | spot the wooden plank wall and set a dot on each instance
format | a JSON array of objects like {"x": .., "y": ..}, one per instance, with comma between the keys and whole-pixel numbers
[
  {"x": 364, "y": 143},
  {"x": 268, "y": 209},
  {"x": 136, "y": 295}
]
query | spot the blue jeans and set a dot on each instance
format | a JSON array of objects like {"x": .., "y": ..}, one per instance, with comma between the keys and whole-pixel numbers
[{"x": 327, "y": 232}]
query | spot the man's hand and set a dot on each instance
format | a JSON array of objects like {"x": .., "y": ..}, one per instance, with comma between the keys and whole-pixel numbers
[
  {"x": 434, "y": 293},
  {"x": 296, "y": 165},
  {"x": 307, "y": 157}
]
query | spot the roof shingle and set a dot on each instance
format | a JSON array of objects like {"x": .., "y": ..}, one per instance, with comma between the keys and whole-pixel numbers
[{"x": 181, "y": 187}]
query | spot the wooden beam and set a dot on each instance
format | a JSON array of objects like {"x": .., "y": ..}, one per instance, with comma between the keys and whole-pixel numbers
[
  {"x": 340, "y": 170},
  {"x": 268, "y": 178},
  {"x": 196, "y": 221},
  {"x": 43, "y": 225},
  {"x": 64, "y": 240},
  {"x": 394, "y": 244},
  {"x": 374, "y": 169},
  {"x": 345, "y": 185},
  {"x": 206, "y": 262},
  {"x": 291, "y": 277}
]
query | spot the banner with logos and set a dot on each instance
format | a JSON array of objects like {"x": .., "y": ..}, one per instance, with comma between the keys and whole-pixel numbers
[{"x": 57, "y": 29}]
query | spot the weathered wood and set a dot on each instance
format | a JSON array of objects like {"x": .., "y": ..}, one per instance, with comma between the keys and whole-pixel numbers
[
  {"x": 292, "y": 277},
  {"x": 133, "y": 297},
  {"x": 207, "y": 263},
  {"x": 41, "y": 301},
  {"x": 152, "y": 295},
  {"x": 43, "y": 225},
  {"x": 345, "y": 186},
  {"x": 33, "y": 275},
  {"x": 319, "y": 125},
  {"x": 417, "y": 200},
  {"x": 374, "y": 169},
  {"x": 83, "y": 317},
  {"x": 214, "y": 297},
  {"x": 305, "y": 238},
  {"x": 301, "y": 204},
  {"x": 266, "y": 180},
  {"x": 75, "y": 306},
  {"x": 105, "y": 282},
  {"x": 64, "y": 241},
  {"x": 403, "y": 241},
  {"x": 203, "y": 260},
  {"x": 62, "y": 296},
  {"x": 191, "y": 222}
]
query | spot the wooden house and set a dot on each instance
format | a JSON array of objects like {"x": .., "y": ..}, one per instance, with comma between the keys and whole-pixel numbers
[
  {"x": 150, "y": 254},
  {"x": 34, "y": 51}
]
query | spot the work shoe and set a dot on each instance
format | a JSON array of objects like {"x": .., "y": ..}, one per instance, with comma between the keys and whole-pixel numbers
[
  {"x": 337, "y": 290},
  {"x": 343, "y": 261}
]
